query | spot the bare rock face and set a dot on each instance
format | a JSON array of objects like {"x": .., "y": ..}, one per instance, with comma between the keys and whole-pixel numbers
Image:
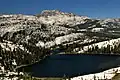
[{"x": 26, "y": 39}]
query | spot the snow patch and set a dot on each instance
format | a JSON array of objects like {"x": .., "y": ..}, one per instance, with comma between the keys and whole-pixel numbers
[
  {"x": 40, "y": 43},
  {"x": 67, "y": 38},
  {"x": 108, "y": 74},
  {"x": 100, "y": 45},
  {"x": 97, "y": 29}
]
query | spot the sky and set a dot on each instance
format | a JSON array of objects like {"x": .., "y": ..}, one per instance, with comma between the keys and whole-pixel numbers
[{"x": 90, "y": 8}]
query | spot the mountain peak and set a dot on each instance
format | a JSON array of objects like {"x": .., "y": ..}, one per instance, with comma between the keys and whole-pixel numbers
[{"x": 55, "y": 12}]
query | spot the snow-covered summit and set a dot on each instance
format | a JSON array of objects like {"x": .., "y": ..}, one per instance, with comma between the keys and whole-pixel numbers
[{"x": 57, "y": 17}]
